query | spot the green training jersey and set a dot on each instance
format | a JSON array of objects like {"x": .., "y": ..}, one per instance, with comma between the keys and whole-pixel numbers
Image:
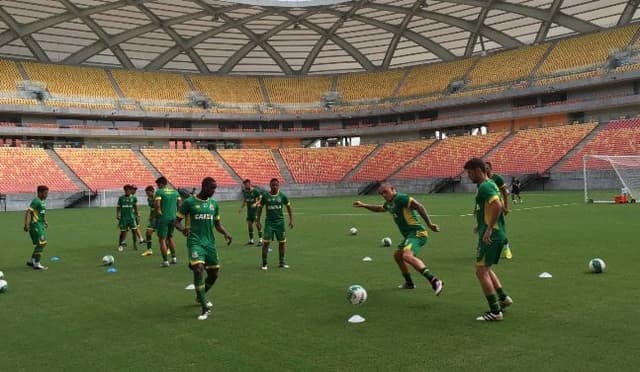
[
  {"x": 498, "y": 180},
  {"x": 405, "y": 217},
  {"x": 200, "y": 216},
  {"x": 37, "y": 208},
  {"x": 168, "y": 203},
  {"x": 251, "y": 197},
  {"x": 487, "y": 193},
  {"x": 274, "y": 205},
  {"x": 126, "y": 204}
]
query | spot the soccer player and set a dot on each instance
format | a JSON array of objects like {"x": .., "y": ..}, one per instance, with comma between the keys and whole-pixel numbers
[
  {"x": 504, "y": 198},
  {"x": 274, "y": 228},
  {"x": 202, "y": 215},
  {"x": 151, "y": 227},
  {"x": 251, "y": 198},
  {"x": 35, "y": 223},
  {"x": 403, "y": 208},
  {"x": 166, "y": 204},
  {"x": 491, "y": 239},
  {"x": 515, "y": 190},
  {"x": 127, "y": 216}
]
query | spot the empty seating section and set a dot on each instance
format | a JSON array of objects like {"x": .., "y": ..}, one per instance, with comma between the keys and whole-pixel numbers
[
  {"x": 619, "y": 137},
  {"x": 585, "y": 51},
  {"x": 435, "y": 78},
  {"x": 537, "y": 150},
  {"x": 187, "y": 168},
  {"x": 327, "y": 164},
  {"x": 106, "y": 169},
  {"x": 9, "y": 76},
  {"x": 258, "y": 165},
  {"x": 297, "y": 90},
  {"x": 22, "y": 169},
  {"x": 152, "y": 86},
  {"x": 446, "y": 157},
  {"x": 226, "y": 90},
  {"x": 368, "y": 86},
  {"x": 389, "y": 159},
  {"x": 72, "y": 81},
  {"x": 506, "y": 66}
]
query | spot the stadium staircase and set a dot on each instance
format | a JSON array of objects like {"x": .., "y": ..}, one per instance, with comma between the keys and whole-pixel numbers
[
  {"x": 577, "y": 148},
  {"x": 264, "y": 91},
  {"x": 357, "y": 168},
  {"x": 156, "y": 173},
  {"x": 114, "y": 83},
  {"x": 65, "y": 168},
  {"x": 442, "y": 184},
  {"x": 22, "y": 71},
  {"x": 412, "y": 160},
  {"x": 227, "y": 167},
  {"x": 284, "y": 170},
  {"x": 395, "y": 91},
  {"x": 498, "y": 145},
  {"x": 534, "y": 70}
]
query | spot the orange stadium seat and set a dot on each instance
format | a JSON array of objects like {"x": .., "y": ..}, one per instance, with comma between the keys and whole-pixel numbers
[
  {"x": 9, "y": 76},
  {"x": 22, "y": 169},
  {"x": 327, "y": 164},
  {"x": 305, "y": 90},
  {"x": 187, "y": 168},
  {"x": 389, "y": 159},
  {"x": 258, "y": 165},
  {"x": 72, "y": 81}
]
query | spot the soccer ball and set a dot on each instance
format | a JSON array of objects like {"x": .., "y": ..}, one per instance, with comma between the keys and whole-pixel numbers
[
  {"x": 353, "y": 231},
  {"x": 597, "y": 265},
  {"x": 4, "y": 286},
  {"x": 108, "y": 260},
  {"x": 386, "y": 241},
  {"x": 357, "y": 295}
]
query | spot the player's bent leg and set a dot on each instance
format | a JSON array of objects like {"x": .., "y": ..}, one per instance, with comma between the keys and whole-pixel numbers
[{"x": 409, "y": 257}]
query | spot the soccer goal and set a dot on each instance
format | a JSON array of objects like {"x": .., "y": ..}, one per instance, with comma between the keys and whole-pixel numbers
[{"x": 606, "y": 177}]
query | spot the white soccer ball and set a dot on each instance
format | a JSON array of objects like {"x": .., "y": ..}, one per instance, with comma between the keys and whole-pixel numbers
[
  {"x": 597, "y": 265},
  {"x": 1, "y": 275},
  {"x": 386, "y": 241},
  {"x": 353, "y": 231},
  {"x": 108, "y": 260},
  {"x": 357, "y": 294},
  {"x": 4, "y": 286}
]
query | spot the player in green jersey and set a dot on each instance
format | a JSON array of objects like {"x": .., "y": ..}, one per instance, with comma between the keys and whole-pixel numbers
[
  {"x": 504, "y": 196},
  {"x": 127, "y": 216},
  {"x": 151, "y": 227},
  {"x": 35, "y": 223},
  {"x": 167, "y": 203},
  {"x": 403, "y": 208},
  {"x": 274, "y": 201},
  {"x": 251, "y": 198},
  {"x": 201, "y": 213},
  {"x": 491, "y": 238}
]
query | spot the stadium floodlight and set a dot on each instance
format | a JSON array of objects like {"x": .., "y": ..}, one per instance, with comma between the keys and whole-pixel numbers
[{"x": 606, "y": 176}]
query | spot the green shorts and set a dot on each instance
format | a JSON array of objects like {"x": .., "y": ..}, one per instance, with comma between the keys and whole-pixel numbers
[
  {"x": 165, "y": 228},
  {"x": 252, "y": 215},
  {"x": 38, "y": 234},
  {"x": 275, "y": 231},
  {"x": 205, "y": 255},
  {"x": 414, "y": 242},
  {"x": 153, "y": 222},
  {"x": 127, "y": 223},
  {"x": 488, "y": 255}
]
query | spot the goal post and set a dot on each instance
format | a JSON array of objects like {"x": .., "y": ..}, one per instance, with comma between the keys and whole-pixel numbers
[{"x": 608, "y": 176}]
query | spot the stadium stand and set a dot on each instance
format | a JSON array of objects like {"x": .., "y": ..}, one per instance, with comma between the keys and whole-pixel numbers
[
  {"x": 508, "y": 66},
  {"x": 327, "y": 164},
  {"x": 588, "y": 51},
  {"x": 152, "y": 86},
  {"x": 618, "y": 137},
  {"x": 434, "y": 78},
  {"x": 447, "y": 157},
  {"x": 72, "y": 81},
  {"x": 228, "y": 90},
  {"x": 389, "y": 159},
  {"x": 187, "y": 168},
  {"x": 537, "y": 150},
  {"x": 106, "y": 169},
  {"x": 258, "y": 165},
  {"x": 295, "y": 90},
  {"x": 22, "y": 169},
  {"x": 9, "y": 76},
  {"x": 368, "y": 86}
]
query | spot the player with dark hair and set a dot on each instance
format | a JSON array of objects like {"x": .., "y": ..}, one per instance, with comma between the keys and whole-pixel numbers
[
  {"x": 127, "y": 216},
  {"x": 274, "y": 201},
  {"x": 403, "y": 208},
  {"x": 504, "y": 198},
  {"x": 35, "y": 223},
  {"x": 202, "y": 214},
  {"x": 166, "y": 204},
  {"x": 251, "y": 198},
  {"x": 151, "y": 226},
  {"x": 491, "y": 239}
]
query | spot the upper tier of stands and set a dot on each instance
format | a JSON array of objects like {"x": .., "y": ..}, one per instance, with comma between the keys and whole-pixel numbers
[
  {"x": 258, "y": 165},
  {"x": 71, "y": 81},
  {"x": 23, "y": 169},
  {"x": 389, "y": 159},
  {"x": 435, "y": 78},
  {"x": 500, "y": 67},
  {"x": 229, "y": 90},
  {"x": 152, "y": 86},
  {"x": 327, "y": 164},
  {"x": 537, "y": 150},
  {"x": 9, "y": 76},
  {"x": 446, "y": 157},
  {"x": 304, "y": 90},
  {"x": 106, "y": 169},
  {"x": 187, "y": 168},
  {"x": 619, "y": 137},
  {"x": 368, "y": 86}
]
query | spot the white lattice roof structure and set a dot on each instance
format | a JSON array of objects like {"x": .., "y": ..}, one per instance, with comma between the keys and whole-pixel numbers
[{"x": 290, "y": 37}]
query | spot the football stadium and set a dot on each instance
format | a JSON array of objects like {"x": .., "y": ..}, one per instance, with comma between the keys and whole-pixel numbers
[{"x": 500, "y": 139}]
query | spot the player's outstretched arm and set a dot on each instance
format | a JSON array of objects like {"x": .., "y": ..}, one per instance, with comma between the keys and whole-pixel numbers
[
  {"x": 422, "y": 211},
  {"x": 224, "y": 232},
  {"x": 371, "y": 207}
]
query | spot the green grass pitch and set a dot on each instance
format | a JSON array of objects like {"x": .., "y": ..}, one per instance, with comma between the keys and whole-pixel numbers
[{"x": 77, "y": 317}]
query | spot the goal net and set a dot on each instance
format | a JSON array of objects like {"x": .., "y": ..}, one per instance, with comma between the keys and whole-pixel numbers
[{"x": 606, "y": 177}]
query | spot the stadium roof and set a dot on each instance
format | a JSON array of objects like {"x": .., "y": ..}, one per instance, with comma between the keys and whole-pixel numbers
[{"x": 288, "y": 36}]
